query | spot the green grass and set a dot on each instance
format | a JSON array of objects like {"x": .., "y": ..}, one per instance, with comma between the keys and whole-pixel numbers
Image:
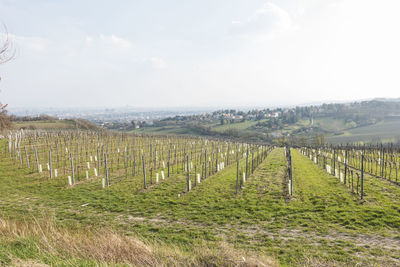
[
  {"x": 337, "y": 131},
  {"x": 65, "y": 124},
  {"x": 48, "y": 124},
  {"x": 167, "y": 130},
  {"x": 240, "y": 126},
  {"x": 386, "y": 130},
  {"x": 323, "y": 222},
  {"x": 330, "y": 124}
]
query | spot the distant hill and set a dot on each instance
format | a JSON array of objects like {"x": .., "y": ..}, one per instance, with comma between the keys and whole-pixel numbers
[
  {"x": 387, "y": 99},
  {"x": 48, "y": 122},
  {"x": 370, "y": 121}
]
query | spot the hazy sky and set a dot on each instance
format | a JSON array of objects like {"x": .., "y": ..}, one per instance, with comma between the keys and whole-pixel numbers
[{"x": 199, "y": 53}]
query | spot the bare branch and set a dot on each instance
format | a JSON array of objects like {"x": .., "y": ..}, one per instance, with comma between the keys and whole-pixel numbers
[{"x": 7, "y": 53}]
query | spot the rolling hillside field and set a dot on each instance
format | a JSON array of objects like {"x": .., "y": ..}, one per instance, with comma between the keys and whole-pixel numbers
[
  {"x": 166, "y": 130},
  {"x": 237, "y": 126},
  {"x": 358, "y": 122},
  {"x": 48, "y": 124},
  {"x": 45, "y": 221},
  {"x": 386, "y": 131},
  {"x": 55, "y": 124}
]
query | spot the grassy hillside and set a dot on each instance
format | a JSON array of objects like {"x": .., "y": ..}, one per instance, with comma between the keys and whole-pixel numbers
[
  {"x": 331, "y": 124},
  {"x": 366, "y": 121},
  {"x": 47, "y": 222},
  {"x": 336, "y": 130},
  {"x": 246, "y": 125},
  {"x": 387, "y": 130},
  {"x": 55, "y": 124},
  {"x": 49, "y": 124},
  {"x": 166, "y": 130}
]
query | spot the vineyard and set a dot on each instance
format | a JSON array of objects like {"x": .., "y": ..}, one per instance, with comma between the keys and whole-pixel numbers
[
  {"x": 84, "y": 155},
  {"x": 195, "y": 201},
  {"x": 350, "y": 164}
]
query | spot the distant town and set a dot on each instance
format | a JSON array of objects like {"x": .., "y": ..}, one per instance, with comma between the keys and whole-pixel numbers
[{"x": 108, "y": 117}]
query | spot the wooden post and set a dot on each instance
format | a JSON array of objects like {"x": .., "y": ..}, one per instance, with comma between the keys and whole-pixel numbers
[
  {"x": 252, "y": 161},
  {"x": 290, "y": 172},
  {"x": 98, "y": 161},
  {"x": 127, "y": 161},
  {"x": 362, "y": 174},
  {"x": 247, "y": 162},
  {"x": 188, "y": 173},
  {"x": 195, "y": 173},
  {"x": 10, "y": 146},
  {"x": 334, "y": 162},
  {"x": 345, "y": 166},
  {"x": 51, "y": 169},
  {"x": 37, "y": 159},
  {"x": 72, "y": 169},
  {"x": 144, "y": 173},
  {"x": 106, "y": 166},
  {"x": 134, "y": 162},
  {"x": 205, "y": 164},
  {"x": 169, "y": 159},
  {"x": 382, "y": 160},
  {"x": 237, "y": 173}
]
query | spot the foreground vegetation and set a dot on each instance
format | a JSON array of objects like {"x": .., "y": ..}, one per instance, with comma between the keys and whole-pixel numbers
[{"x": 45, "y": 221}]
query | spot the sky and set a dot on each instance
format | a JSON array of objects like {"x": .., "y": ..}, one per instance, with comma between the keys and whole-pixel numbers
[{"x": 185, "y": 53}]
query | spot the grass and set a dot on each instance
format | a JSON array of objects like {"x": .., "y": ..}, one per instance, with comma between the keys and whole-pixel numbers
[
  {"x": 330, "y": 124},
  {"x": 167, "y": 130},
  {"x": 337, "y": 130},
  {"x": 50, "y": 245},
  {"x": 385, "y": 131},
  {"x": 48, "y": 124},
  {"x": 240, "y": 126},
  {"x": 323, "y": 223}
]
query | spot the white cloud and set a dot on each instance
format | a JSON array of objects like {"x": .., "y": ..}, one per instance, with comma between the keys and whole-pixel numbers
[
  {"x": 301, "y": 11},
  {"x": 117, "y": 41},
  {"x": 89, "y": 40},
  {"x": 108, "y": 40},
  {"x": 264, "y": 22},
  {"x": 158, "y": 63},
  {"x": 33, "y": 44}
]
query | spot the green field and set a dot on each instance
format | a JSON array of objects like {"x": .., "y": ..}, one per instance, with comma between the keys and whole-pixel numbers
[
  {"x": 322, "y": 224},
  {"x": 387, "y": 130},
  {"x": 336, "y": 130},
  {"x": 165, "y": 130},
  {"x": 62, "y": 124},
  {"x": 240, "y": 126},
  {"x": 331, "y": 124},
  {"x": 47, "y": 124}
]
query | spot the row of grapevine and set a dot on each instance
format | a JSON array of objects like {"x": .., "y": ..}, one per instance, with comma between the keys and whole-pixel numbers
[
  {"x": 80, "y": 155},
  {"x": 350, "y": 163}
]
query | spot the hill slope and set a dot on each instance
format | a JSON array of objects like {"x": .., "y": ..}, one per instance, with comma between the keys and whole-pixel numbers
[{"x": 367, "y": 121}]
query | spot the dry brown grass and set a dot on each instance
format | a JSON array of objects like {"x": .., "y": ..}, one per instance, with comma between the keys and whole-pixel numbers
[{"x": 107, "y": 247}]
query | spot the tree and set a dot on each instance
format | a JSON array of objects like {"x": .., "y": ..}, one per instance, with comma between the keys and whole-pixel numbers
[
  {"x": 299, "y": 141},
  {"x": 6, "y": 54},
  {"x": 397, "y": 140},
  {"x": 6, "y": 51},
  {"x": 319, "y": 140}
]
